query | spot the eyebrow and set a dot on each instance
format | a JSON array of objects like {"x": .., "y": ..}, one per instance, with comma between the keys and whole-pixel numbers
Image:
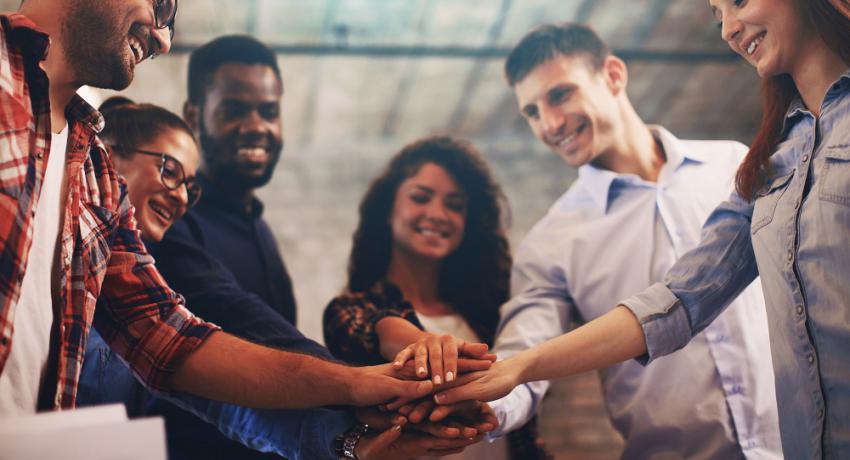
[{"x": 425, "y": 188}]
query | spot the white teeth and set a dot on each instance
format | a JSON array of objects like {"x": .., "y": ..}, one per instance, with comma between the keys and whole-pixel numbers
[
  {"x": 754, "y": 44},
  {"x": 429, "y": 232},
  {"x": 253, "y": 153},
  {"x": 572, "y": 136},
  {"x": 164, "y": 213},
  {"x": 136, "y": 47}
]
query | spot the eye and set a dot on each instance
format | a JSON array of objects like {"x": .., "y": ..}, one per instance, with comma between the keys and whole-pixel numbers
[
  {"x": 530, "y": 112},
  {"x": 420, "y": 197},
  {"x": 270, "y": 112},
  {"x": 457, "y": 205}
]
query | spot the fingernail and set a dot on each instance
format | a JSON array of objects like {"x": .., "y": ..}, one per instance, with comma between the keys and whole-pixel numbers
[
  {"x": 437, "y": 380},
  {"x": 397, "y": 428},
  {"x": 421, "y": 371},
  {"x": 397, "y": 363},
  {"x": 450, "y": 376},
  {"x": 439, "y": 397}
]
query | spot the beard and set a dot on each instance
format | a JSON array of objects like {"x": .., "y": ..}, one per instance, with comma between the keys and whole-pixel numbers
[
  {"x": 221, "y": 163},
  {"x": 94, "y": 45}
]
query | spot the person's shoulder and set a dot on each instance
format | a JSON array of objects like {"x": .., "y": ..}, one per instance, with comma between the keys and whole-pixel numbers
[{"x": 710, "y": 150}]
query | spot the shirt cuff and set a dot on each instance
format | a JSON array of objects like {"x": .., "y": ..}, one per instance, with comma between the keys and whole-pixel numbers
[
  {"x": 512, "y": 411},
  {"x": 664, "y": 321}
]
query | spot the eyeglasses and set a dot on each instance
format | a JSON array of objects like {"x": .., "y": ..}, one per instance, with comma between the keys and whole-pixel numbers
[
  {"x": 164, "y": 13},
  {"x": 171, "y": 174}
]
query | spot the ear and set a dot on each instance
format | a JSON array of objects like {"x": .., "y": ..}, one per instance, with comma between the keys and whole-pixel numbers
[
  {"x": 192, "y": 115},
  {"x": 616, "y": 74}
]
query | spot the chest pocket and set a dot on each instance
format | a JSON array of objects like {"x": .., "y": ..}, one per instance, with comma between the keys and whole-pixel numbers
[
  {"x": 97, "y": 228},
  {"x": 15, "y": 137},
  {"x": 835, "y": 180},
  {"x": 765, "y": 205}
]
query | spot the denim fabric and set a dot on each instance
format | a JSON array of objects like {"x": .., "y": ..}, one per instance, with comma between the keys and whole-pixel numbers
[{"x": 796, "y": 237}]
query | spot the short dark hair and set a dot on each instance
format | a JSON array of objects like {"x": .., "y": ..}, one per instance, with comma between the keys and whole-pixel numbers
[
  {"x": 129, "y": 125},
  {"x": 237, "y": 49},
  {"x": 474, "y": 279},
  {"x": 550, "y": 40}
]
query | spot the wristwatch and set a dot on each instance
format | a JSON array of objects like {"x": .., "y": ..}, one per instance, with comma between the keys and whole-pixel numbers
[{"x": 345, "y": 443}]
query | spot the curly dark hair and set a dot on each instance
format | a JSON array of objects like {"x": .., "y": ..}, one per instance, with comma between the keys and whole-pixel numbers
[{"x": 474, "y": 278}]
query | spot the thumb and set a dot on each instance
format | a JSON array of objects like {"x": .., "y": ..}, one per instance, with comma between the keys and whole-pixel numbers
[
  {"x": 377, "y": 447},
  {"x": 416, "y": 389},
  {"x": 461, "y": 393}
]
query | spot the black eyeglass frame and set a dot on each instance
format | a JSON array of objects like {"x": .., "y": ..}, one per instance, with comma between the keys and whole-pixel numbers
[
  {"x": 164, "y": 22},
  {"x": 193, "y": 188}
]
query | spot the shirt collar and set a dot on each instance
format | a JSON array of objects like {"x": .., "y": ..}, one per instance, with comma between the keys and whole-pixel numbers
[
  {"x": 80, "y": 110},
  {"x": 214, "y": 196},
  {"x": 597, "y": 182},
  {"x": 24, "y": 33},
  {"x": 798, "y": 108}
]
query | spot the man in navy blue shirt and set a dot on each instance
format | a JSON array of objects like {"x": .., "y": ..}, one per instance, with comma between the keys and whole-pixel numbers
[{"x": 223, "y": 258}]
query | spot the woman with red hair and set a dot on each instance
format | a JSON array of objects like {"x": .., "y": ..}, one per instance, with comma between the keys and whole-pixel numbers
[{"x": 788, "y": 223}]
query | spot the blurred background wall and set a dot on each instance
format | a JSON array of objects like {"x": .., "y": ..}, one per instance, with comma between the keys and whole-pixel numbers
[{"x": 364, "y": 77}]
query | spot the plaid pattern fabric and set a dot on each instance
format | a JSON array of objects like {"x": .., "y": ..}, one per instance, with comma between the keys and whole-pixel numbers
[
  {"x": 350, "y": 319},
  {"x": 103, "y": 262}
]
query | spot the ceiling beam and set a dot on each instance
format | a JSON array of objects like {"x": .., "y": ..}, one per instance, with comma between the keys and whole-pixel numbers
[{"x": 462, "y": 52}]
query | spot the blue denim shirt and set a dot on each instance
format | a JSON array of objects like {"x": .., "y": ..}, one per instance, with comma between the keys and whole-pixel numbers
[{"x": 796, "y": 237}]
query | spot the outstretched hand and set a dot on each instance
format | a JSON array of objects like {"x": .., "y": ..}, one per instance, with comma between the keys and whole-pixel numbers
[
  {"x": 488, "y": 385},
  {"x": 373, "y": 385}
]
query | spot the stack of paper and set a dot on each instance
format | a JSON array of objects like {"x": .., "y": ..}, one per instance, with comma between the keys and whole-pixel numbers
[{"x": 92, "y": 433}]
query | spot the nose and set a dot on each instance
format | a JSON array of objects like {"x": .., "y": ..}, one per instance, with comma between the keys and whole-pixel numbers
[
  {"x": 253, "y": 122},
  {"x": 551, "y": 121},
  {"x": 731, "y": 30},
  {"x": 162, "y": 39},
  {"x": 181, "y": 196},
  {"x": 436, "y": 211}
]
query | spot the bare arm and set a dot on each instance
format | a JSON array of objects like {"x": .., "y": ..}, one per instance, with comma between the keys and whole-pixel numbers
[
  {"x": 609, "y": 339},
  {"x": 394, "y": 334},
  {"x": 229, "y": 369}
]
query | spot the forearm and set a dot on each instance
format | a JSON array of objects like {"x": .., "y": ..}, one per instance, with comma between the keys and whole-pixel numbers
[
  {"x": 609, "y": 339},
  {"x": 394, "y": 334},
  {"x": 225, "y": 368}
]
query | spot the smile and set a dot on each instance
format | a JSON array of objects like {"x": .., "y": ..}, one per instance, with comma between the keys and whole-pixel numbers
[
  {"x": 571, "y": 137},
  {"x": 162, "y": 212},
  {"x": 137, "y": 48},
  {"x": 431, "y": 232},
  {"x": 753, "y": 46}
]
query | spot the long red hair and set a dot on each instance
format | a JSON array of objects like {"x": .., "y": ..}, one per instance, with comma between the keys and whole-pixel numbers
[{"x": 779, "y": 91}]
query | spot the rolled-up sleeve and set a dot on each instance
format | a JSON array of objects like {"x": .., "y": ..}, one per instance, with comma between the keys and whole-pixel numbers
[
  {"x": 701, "y": 284},
  {"x": 140, "y": 317}
]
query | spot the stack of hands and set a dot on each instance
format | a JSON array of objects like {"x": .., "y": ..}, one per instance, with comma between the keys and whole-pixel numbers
[{"x": 406, "y": 428}]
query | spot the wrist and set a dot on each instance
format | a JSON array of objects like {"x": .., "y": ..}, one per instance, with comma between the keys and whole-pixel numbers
[{"x": 346, "y": 444}]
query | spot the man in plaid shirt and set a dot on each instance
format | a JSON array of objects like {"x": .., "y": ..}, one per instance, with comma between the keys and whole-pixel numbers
[{"x": 69, "y": 243}]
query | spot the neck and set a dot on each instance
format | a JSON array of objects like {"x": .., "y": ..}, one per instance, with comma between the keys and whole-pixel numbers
[
  {"x": 418, "y": 279},
  {"x": 635, "y": 150},
  {"x": 819, "y": 68},
  {"x": 62, "y": 87},
  {"x": 244, "y": 195}
]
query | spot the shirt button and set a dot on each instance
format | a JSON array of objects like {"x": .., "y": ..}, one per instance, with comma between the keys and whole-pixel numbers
[
  {"x": 799, "y": 309},
  {"x": 790, "y": 255},
  {"x": 811, "y": 359},
  {"x": 39, "y": 154},
  {"x": 805, "y": 158},
  {"x": 820, "y": 413},
  {"x": 797, "y": 204}
]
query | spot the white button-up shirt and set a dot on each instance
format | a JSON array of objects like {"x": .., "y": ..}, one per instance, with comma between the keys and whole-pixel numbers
[{"x": 611, "y": 235}]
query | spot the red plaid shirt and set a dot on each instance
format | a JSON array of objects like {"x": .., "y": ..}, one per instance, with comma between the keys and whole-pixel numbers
[{"x": 103, "y": 261}]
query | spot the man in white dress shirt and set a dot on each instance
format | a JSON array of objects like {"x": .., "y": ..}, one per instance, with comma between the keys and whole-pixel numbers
[{"x": 638, "y": 204}]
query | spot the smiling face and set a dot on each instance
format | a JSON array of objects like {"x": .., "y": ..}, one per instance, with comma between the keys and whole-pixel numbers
[
  {"x": 429, "y": 214},
  {"x": 157, "y": 207},
  {"x": 769, "y": 34},
  {"x": 104, "y": 40},
  {"x": 241, "y": 126},
  {"x": 570, "y": 107}
]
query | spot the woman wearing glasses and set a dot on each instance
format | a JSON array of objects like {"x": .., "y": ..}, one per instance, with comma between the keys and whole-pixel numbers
[{"x": 156, "y": 153}]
